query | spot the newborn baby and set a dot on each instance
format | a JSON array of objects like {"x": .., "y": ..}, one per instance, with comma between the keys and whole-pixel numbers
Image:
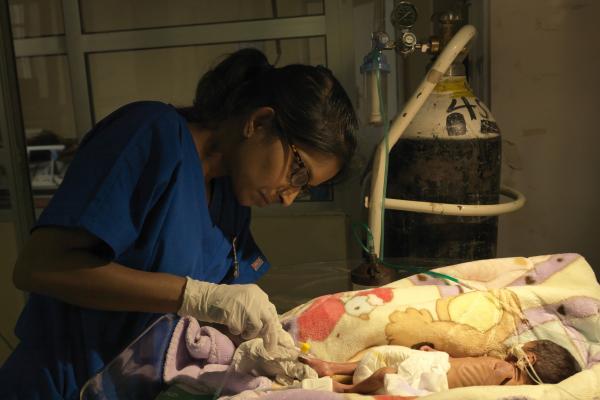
[{"x": 402, "y": 371}]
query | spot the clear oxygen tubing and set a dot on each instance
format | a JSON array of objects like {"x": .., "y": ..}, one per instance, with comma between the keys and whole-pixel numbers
[{"x": 377, "y": 202}]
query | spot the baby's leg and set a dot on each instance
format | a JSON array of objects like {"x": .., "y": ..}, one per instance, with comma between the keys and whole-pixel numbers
[
  {"x": 328, "y": 368},
  {"x": 369, "y": 385},
  {"x": 372, "y": 383}
]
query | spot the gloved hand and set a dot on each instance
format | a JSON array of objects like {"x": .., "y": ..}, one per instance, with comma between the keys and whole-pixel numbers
[
  {"x": 283, "y": 364},
  {"x": 244, "y": 309}
]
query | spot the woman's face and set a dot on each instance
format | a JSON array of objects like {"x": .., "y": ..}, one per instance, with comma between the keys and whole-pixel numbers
[{"x": 261, "y": 164}]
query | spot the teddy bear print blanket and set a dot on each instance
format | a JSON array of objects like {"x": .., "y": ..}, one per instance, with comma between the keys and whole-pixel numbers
[{"x": 498, "y": 303}]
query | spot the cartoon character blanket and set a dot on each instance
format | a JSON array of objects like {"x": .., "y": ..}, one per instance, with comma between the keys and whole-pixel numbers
[{"x": 499, "y": 303}]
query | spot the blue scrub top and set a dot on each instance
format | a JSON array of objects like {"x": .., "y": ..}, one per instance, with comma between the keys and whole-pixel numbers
[{"x": 137, "y": 184}]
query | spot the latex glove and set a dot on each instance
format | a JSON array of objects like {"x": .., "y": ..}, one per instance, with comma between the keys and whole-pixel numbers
[
  {"x": 252, "y": 358},
  {"x": 244, "y": 309}
]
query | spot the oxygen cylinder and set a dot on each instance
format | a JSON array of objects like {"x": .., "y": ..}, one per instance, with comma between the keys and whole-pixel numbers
[{"x": 450, "y": 153}]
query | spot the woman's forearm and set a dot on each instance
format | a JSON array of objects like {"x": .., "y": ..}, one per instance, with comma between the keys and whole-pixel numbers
[
  {"x": 66, "y": 264},
  {"x": 112, "y": 287}
]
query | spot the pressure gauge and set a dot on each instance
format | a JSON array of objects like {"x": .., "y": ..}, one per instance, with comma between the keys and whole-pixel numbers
[{"x": 404, "y": 15}]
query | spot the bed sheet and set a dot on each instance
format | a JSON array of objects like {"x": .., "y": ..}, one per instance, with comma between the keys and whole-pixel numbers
[{"x": 499, "y": 303}]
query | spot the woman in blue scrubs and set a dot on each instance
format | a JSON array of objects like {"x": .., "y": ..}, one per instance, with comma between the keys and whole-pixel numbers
[{"x": 153, "y": 217}]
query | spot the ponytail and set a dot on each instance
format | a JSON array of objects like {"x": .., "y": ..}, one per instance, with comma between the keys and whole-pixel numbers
[
  {"x": 219, "y": 90},
  {"x": 311, "y": 106}
]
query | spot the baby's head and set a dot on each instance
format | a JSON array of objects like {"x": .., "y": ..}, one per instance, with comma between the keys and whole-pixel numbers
[{"x": 551, "y": 362}]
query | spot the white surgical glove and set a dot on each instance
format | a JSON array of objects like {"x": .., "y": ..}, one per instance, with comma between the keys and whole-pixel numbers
[
  {"x": 244, "y": 309},
  {"x": 252, "y": 358}
]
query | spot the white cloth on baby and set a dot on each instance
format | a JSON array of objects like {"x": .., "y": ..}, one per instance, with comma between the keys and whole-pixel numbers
[{"x": 418, "y": 372}]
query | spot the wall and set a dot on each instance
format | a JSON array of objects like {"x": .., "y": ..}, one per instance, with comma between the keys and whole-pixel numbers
[
  {"x": 307, "y": 254},
  {"x": 545, "y": 58}
]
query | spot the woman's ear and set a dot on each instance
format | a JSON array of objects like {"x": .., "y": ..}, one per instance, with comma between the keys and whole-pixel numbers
[{"x": 259, "y": 121}]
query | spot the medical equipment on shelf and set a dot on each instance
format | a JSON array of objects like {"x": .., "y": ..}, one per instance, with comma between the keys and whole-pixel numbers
[
  {"x": 375, "y": 69},
  {"x": 44, "y": 172},
  {"x": 446, "y": 160}
]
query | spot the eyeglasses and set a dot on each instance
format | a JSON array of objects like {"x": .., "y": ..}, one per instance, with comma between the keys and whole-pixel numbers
[{"x": 300, "y": 175}]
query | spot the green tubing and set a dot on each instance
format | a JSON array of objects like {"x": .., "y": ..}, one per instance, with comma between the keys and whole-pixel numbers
[{"x": 369, "y": 249}]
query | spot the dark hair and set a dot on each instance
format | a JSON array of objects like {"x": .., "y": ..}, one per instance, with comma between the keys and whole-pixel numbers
[
  {"x": 417, "y": 346},
  {"x": 311, "y": 107},
  {"x": 553, "y": 363}
]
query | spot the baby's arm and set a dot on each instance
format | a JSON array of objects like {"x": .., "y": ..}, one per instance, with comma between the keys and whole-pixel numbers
[{"x": 328, "y": 368}]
